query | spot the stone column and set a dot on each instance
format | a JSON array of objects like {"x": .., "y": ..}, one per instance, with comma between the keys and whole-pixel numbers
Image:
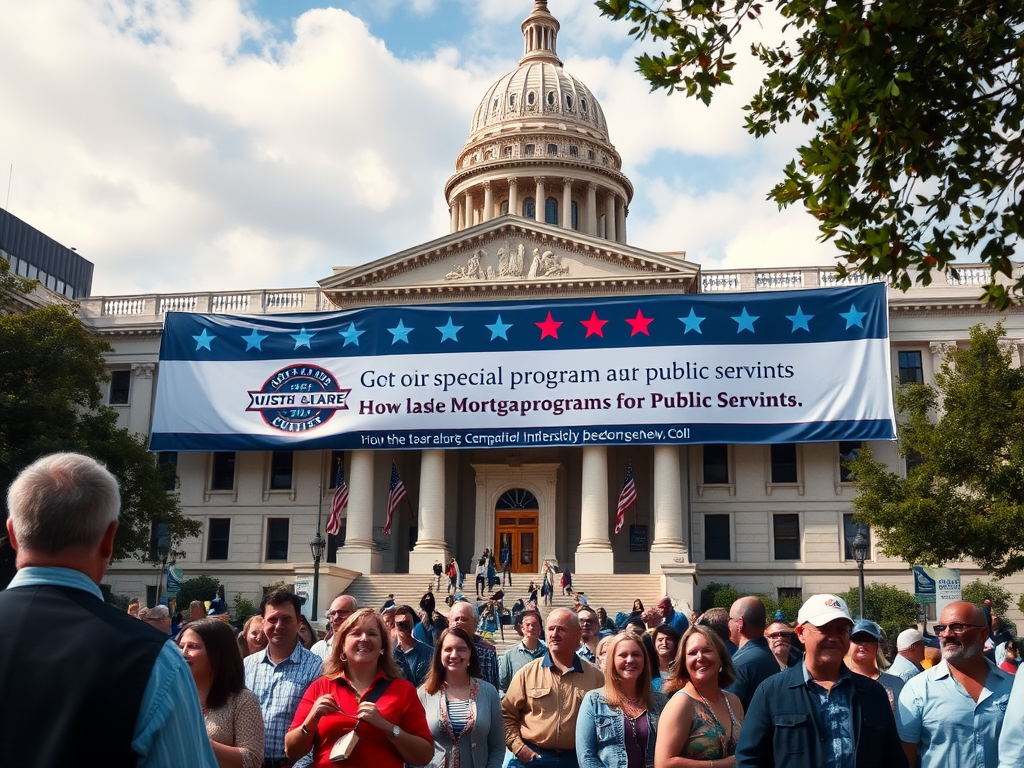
[
  {"x": 467, "y": 210},
  {"x": 359, "y": 553},
  {"x": 566, "y": 203},
  {"x": 141, "y": 399},
  {"x": 609, "y": 216},
  {"x": 453, "y": 211},
  {"x": 488, "y": 202},
  {"x": 591, "y": 225},
  {"x": 538, "y": 208},
  {"x": 620, "y": 221},
  {"x": 513, "y": 196},
  {"x": 669, "y": 527},
  {"x": 594, "y": 554},
  {"x": 431, "y": 546}
]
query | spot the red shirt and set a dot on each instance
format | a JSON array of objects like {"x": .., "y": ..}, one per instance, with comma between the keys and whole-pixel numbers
[{"x": 399, "y": 705}]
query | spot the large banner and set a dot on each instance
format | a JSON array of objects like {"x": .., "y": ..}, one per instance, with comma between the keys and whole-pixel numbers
[{"x": 780, "y": 367}]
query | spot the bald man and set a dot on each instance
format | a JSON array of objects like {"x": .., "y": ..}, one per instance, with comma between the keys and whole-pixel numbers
[
  {"x": 341, "y": 608},
  {"x": 952, "y": 713},
  {"x": 754, "y": 660}
]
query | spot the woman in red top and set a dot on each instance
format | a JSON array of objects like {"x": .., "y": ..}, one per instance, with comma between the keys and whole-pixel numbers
[{"x": 391, "y": 725}]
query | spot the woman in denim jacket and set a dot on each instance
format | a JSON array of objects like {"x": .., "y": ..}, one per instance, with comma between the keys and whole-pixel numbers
[{"x": 618, "y": 724}]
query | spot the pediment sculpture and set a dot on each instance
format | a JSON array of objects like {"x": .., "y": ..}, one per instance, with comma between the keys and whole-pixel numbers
[{"x": 511, "y": 264}]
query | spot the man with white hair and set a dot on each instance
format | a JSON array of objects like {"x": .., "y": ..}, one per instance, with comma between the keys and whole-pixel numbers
[
  {"x": 465, "y": 616},
  {"x": 113, "y": 675},
  {"x": 909, "y": 655},
  {"x": 160, "y": 618}
]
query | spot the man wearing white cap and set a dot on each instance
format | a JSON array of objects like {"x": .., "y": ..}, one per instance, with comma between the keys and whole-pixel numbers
[
  {"x": 909, "y": 654},
  {"x": 819, "y": 714}
]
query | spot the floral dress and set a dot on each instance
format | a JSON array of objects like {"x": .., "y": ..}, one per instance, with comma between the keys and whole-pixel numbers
[{"x": 708, "y": 739}]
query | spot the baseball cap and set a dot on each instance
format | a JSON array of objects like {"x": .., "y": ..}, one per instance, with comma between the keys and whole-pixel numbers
[
  {"x": 819, "y": 610},
  {"x": 907, "y": 638},
  {"x": 866, "y": 626}
]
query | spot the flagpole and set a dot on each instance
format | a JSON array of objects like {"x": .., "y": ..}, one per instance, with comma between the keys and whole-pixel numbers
[{"x": 317, "y": 547}]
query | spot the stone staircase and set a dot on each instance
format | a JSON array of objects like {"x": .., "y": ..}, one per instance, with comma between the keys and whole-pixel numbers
[{"x": 615, "y": 592}]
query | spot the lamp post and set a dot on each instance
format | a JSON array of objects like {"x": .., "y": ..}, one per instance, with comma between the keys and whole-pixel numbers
[
  {"x": 317, "y": 547},
  {"x": 163, "y": 550},
  {"x": 860, "y": 546}
]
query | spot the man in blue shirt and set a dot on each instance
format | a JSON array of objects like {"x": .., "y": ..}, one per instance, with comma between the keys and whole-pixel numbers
[
  {"x": 753, "y": 660},
  {"x": 672, "y": 617},
  {"x": 114, "y": 678},
  {"x": 952, "y": 714}
]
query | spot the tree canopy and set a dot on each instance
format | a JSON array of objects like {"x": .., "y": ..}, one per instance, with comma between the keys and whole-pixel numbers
[
  {"x": 917, "y": 157},
  {"x": 51, "y": 368},
  {"x": 963, "y": 496}
]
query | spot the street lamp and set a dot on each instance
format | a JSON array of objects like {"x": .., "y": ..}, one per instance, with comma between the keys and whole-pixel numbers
[
  {"x": 860, "y": 546},
  {"x": 317, "y": 547},
  {"x": 163, "y": 550}
]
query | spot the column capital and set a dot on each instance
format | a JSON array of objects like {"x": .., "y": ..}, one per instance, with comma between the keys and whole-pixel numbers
[
  {"x": 143, "y": 370},
  {"x": 591, "y": 186},
  {"x": 486, "y": 184},
  {"x": 568, "y": 181},
  {"x": 941, "y": 347},
  {"x": 513, "y": 181}
]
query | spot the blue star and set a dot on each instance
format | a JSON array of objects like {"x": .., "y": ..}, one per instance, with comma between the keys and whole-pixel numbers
[
  {"x": 800, "y": 320},
  {"x": 253, "y": 340},
  {"x": 449, "y": 331},
  {"x": 745, "y": 322},
  {"x": 399, "y": 332},
  {"x": 352, "y": 335},
  {"x": 692, "y": 323},
  {"x": 853, "y": 317},
  {"x": 203, "y": 340},
  {"x": 302, "y": 338},
  {"x": 498, "y": 329}
]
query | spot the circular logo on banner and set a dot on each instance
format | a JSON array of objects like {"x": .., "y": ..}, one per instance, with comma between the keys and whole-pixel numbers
[{"x": 299, "y": 398}]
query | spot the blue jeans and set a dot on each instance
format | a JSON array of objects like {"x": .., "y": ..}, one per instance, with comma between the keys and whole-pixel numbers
[{"x": 548, "y": 758}]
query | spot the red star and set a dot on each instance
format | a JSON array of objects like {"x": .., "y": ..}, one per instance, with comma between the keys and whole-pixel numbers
[
  {"x": 640, "y": 323},
  {"x": 549, "y": 328},
  {"x": 594, "y": 326}
]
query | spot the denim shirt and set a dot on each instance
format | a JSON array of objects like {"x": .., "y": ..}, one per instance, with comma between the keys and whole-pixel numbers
[{"x": 601, "y": 732}]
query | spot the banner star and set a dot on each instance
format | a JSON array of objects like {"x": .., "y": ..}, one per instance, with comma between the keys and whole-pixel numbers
[
  {"x": 254, "y": 340},
  {"x": 594, "y": 326},
  {"x": 549, "y": 327},
  {"x": 800, "y": 320},
  {"x": 745, "y": 321},
  {"x": 302, "y": 338},
  {"x": 640, "y": 324},
  {"x": 853, "y": 317},
  {"x": 449, "y": 331},
  {"x": 692, "y": 322},
  {"x": 203, "y": 340},
  {"x": 351, "y": 336},
  {"x": 399, "y": 333},
  {"x": 499, "y": 329}
]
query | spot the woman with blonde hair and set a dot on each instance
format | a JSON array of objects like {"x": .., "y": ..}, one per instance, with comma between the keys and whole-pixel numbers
[
  {"x": 361, "y": 685},
  {"x": 621, "y": 718},
  {"x": 865, "y": 657},
  {"x": 252, "y": 637},
  {"x": 701, "y": 722}
]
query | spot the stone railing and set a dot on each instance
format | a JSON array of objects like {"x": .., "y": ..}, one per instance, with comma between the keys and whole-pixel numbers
[
  {"x": 155, "y": 306},
  {"x": 725, "y": 281}
]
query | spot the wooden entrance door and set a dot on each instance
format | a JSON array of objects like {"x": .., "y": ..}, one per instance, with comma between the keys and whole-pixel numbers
[{"x": 518, "y": 529}]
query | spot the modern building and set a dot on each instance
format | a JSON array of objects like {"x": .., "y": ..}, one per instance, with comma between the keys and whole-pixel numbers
[
  {"x": 538, "y": 209},
  {"x": 37, "y": 256}
]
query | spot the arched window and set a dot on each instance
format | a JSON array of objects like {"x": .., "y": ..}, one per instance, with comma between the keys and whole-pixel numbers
[
  {"x": 575, "y": 215},
  {"x": 529, "y": 210},
  {"x": 551, "y": 210},
  {"x": 504, "y": 208},
  {"x": 516, "y": 498}
]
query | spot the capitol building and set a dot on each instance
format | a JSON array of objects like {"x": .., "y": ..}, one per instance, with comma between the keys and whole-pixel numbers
[{"x": 538, "y": 208}]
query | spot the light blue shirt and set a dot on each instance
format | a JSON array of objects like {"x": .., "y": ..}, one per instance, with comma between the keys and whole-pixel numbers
[
  {"x": 903, "y": 668},
  {"x": 1011, "y": 740},
  {"x": 936, "y": 713},
  {"x": 170, "y": 731}
]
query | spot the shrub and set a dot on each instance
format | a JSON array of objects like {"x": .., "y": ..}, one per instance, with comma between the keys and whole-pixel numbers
[
  {"x": 716, "y": 595},
  {"x": 201, "y": 588},
  {"x": 892, "y": 608},
  {"x": 978, "y": 591},
  {"x": 242, "y": 610}
]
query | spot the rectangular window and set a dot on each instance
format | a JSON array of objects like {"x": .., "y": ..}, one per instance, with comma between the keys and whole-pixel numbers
[
  {"x": 784, "y": 463},
  {"x": 716, "y": 464},
  {"x": 787, "y": 537},
  {"x": 167, "y": 463},
  {"x": 552, "y": 149},
  {"x": 911, "y": 371},
  {"x": 528, "y": 150},
  {"x": 277, "y": 538},
  {"x": 120, "y": 387},
  {"x": 716, "y": 537},
  {"x": 791, "y": 593},
  {"x": 223, "y": 476},
  {"x": 337, "y": 460},
  {"x": 281, "y": 464},
  {"x": 574, "y": 151},
  {"x": 850, "y": 530},
  {"x": 218, "y": 537},
  {"x": 849, "y": 450}
]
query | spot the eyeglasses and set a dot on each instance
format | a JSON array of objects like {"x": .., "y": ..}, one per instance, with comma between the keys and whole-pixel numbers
[
  {"x": 781, "y": 636},
  {"x": 956, "y": 627}
]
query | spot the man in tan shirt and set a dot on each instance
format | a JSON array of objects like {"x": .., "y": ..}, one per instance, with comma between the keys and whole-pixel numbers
[{"x": 539, "y": 710}]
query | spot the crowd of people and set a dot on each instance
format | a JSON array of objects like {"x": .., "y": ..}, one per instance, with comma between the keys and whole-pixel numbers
[{"x": 393, "y": 687}]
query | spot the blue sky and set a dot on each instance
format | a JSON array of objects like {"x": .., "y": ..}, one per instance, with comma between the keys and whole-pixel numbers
[{"x": 222, "y": 144}]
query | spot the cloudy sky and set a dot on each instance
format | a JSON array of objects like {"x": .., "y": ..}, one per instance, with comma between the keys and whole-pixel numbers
[{"x": 230, "y": 144}]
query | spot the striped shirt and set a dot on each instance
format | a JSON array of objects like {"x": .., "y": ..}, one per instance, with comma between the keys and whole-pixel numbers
[{"x": 458, "y": 714}]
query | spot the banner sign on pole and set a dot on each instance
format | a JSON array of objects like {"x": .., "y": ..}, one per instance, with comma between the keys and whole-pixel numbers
[
  {"x": 174, "y": 579},
  {"x": 772, "y": 367},
  {"x": 938, "y": 586}
]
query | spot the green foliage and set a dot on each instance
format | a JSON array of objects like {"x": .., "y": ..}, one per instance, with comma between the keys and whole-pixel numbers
[
  {"x": 242, "y": 609},
  {"x": 112, "y": 598},
  {"x": 201, "y": 588},
  {"x": 893, "y": 609},
  {"x": 716, "y": 595},
  {"x": 790, "y": 607},
  {"x": 275, "y": 586},
  {"x": 978, "y": 592},
  {"x": 917, "y": 156},
  {"x": 963, "y": 497},
  {"x": 1020, "y": 603}
]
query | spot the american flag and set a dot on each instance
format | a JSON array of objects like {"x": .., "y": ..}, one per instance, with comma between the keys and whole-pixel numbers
[
  {"x": 627, "y": 497},
  {"x": 395, "y": 495},
  {"x": 338, "y": 503}
]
